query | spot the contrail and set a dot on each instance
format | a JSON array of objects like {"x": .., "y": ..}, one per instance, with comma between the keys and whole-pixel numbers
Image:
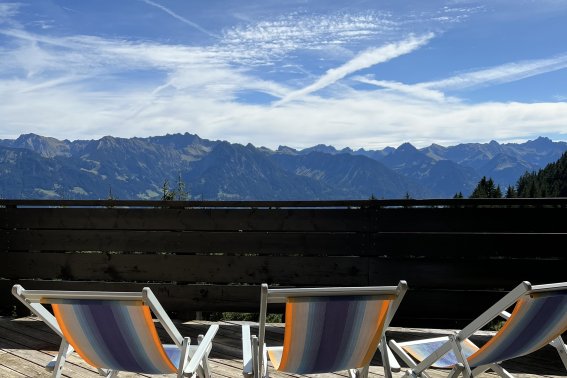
[
  {"x": 504, "y": 73},
  {"x": 365, "y": 59},
  {"x": 181, "y": 18}
]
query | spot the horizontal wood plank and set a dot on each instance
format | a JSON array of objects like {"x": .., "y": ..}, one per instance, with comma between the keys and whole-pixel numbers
[
  {"x": 185, "y": 268},
  {"x": 523, "y": 220},
  {"x": 470, "y": 219},
  {"x": 469, "y": 245},
  {"x": 392, "y": 244},
  {"x": 318, "y": 243},
  {"x": 479, "y": 274},
  {"x": 281, "y": 220}
]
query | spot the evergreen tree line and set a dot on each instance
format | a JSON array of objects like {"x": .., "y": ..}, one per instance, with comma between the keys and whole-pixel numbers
[{"x": 550, "y": 181}]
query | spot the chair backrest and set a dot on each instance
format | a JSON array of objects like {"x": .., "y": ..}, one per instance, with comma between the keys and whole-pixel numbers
[
  {"x": 118, "y": 335},
  {"x": 110, "y": 330},
  {"x": 332, "y": 329},
  {"x": 539, "y": 316}
]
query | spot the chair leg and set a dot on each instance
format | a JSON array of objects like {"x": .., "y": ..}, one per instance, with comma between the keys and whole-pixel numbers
[
  {"x": 255, "y": 357},
  {"x": 458, "y": 350},
  {"x": 409, "y": 373},
  {"x": 64, "y": 351},
  {"x": 108, "y": 373},
  {"x": 183, "y": 357},
  {"x": 559, "y": 344},
  {"x": 205, "y": 362},
  {"x": 265, "y": 372},
  {"x": 383, "y": 347},
  {"x": 359, "y": 373},
  {"x": 363, "y": 373},
  {"x": 456, "y": 371},
  {"x": 247, "y": 353},
  {"x": 500, "y": 371}
]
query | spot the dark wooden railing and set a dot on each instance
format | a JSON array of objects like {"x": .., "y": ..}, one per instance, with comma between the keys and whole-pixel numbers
[{"x": 458, "y": 256}]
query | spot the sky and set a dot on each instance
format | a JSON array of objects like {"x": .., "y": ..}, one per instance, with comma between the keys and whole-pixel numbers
[{"x": 352, "y": 73}]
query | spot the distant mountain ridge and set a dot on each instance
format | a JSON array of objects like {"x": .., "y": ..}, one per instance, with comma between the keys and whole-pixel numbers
[{"x": 34, "y": 166}]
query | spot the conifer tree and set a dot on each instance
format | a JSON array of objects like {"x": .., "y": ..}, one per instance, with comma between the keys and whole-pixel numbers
[
  {"x": 486, "y": 189},
  {"x": 167, "y": 194},
  {"x": 181, "y": 193},
  {"x": 511, "y": 192}
]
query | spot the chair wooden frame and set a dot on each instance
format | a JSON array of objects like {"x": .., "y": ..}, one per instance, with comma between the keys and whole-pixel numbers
[
  {"x": 255, "y": 359},
  {"x": 193, "y": 361},
  {"x": 455, "y": 341}
]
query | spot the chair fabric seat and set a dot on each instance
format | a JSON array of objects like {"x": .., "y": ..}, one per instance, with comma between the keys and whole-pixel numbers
[
  {"x": 420, "y": 350},
  {"x": 113, "y": 335},
  {"x": 534, "y": 323},
  {"x": 275, "y": 354},
  {"x": 325, "y": 334},
  {"x": 173, "y": 353}
]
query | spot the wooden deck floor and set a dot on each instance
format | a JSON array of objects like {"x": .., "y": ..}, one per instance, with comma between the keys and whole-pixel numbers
[{"x": 26, "y": 345}]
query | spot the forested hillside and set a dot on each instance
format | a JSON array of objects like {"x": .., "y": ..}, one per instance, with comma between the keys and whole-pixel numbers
[{"x": 550, "y": 181}]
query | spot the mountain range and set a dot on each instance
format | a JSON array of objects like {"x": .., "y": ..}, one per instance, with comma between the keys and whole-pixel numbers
[{"x": 34, "y": 166}]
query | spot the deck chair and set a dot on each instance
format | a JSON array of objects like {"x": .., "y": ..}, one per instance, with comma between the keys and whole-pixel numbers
[
  {"x": 538, "y": 319},
  {"x": 326, "y": 330},
  {"x": 115, "y": 331}
]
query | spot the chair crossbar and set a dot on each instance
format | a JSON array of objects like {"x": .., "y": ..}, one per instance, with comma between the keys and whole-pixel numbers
[
  {"x": 387, "y": 291},
  {"x": 46, "y": 296}
]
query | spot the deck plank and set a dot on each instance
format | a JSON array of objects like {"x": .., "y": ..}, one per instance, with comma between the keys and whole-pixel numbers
[{"x": 27, "y": 344}]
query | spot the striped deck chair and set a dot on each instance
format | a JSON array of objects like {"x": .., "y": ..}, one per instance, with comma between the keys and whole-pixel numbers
[
  {"x": 326, "y": 330},
  {"x": 115, "y": 331},
  {"x": 538, "y": 319}
]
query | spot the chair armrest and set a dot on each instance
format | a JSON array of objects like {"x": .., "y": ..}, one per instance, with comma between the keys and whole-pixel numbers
[
  {"x": 247, "y": 368},
  {"x": 202, "y": 350}
]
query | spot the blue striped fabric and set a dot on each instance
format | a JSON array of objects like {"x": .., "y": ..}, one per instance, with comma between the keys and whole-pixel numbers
[
  {"x": 118, "y": 335},
  {"x": 326, "y": 334},
  {"x": 534, "y": 323},
  {"x": 422, "y": 349}
]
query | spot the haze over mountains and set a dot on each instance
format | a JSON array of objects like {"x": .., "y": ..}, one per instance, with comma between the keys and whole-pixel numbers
[{"x": 34, "y": 166}]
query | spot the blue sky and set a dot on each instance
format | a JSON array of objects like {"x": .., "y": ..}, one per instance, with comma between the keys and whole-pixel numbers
[{"x": 356, "y": 73}]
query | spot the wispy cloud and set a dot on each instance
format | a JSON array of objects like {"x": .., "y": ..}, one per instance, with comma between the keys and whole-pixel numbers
[
  {"x": 270, "y": 40},
  {"x": 500, "y": 74},
  {"x": 435, "y": 90},
  {"x": 416, "y": 91},
  {"x": 367, "y": 58},
  {"x": 7, "y": 12},
  {"x": 181, "y": 18}
]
